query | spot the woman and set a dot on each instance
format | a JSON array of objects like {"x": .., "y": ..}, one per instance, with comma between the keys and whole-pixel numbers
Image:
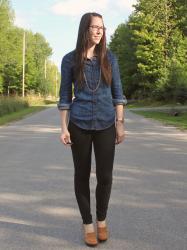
[{"x": 96, "y": 116}]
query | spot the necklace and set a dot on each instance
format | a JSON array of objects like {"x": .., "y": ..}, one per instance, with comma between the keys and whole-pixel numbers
[{"x": 97, "y": 86}]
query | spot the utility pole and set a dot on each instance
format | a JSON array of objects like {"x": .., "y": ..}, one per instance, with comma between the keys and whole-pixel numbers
[
  {"x": 45, "y": 68},
  {"x": 23, "y": 79},
  {"x": 56, "y": 81}
]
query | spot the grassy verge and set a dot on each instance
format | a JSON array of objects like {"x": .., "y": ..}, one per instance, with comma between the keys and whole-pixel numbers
[
  {"x": 20, "y": 114},
  {"x": 179, "y": 121},
  {"x": 150, "y": 103},
  {"x": 15, "y": 108}
]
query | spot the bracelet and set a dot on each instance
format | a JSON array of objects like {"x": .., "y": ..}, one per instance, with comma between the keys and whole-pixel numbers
[{"x": 120, "y": 120}]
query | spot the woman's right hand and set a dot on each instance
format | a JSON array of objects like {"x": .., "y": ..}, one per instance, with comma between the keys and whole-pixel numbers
[{"x": 65, "y": 138}]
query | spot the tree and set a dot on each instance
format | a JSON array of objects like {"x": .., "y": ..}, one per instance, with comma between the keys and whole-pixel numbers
[
  {"x": 149, "y": 46},
  {"x": 6, "y": 23},
  {"x": 38, "y": 51},
  {"x": 123, "y": 46}
]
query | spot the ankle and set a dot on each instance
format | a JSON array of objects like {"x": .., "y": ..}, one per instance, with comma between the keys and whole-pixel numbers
[
  {"x": 89, "y": 228},
  {"x": 101, "y": 223}
]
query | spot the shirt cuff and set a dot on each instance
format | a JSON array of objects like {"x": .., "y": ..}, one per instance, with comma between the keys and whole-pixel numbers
[
  {"x": 63, "y": 106},
  {"x": 119, "y": 101}
]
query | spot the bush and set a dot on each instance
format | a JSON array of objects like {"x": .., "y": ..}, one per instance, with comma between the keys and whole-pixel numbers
[
  {"x": 175, "y": 87},
  {"x": 34, "y": 100},
  {"x": 177, "y": 84},
  {"x": 12, "y": 104}
]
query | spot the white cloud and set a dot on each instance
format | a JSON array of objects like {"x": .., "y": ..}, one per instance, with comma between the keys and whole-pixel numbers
[
  {"x": 126, "y": 4},
  {"x": 110, "y": 31},
  {"x": 20, "y": 21},
  {"x": 26, "y": 19},
  {"x": 73, "y": 8}
]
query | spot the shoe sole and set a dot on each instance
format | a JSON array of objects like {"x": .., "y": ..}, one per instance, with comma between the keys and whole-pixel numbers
[
  {"x": 102, "y": 240},
  {"x": 90, "y": 245}
]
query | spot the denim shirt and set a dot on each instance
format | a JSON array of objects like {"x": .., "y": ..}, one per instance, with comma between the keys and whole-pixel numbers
[{"x": 88, "y": 109}]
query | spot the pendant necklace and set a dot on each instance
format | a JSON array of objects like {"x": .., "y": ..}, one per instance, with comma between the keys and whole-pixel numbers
[{"x": 97, "y": 86}]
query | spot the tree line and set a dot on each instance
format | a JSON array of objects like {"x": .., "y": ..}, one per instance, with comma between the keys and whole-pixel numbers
[
  {"x": 152, "y": 50},
  {"x": 41, "y": 74}
]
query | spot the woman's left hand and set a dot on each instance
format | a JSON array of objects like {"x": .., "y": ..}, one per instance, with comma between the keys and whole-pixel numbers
[{"x": 120, "y": 133}]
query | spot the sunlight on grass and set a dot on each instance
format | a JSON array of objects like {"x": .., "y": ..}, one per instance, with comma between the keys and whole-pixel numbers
[{"x": 179, "y": 121}]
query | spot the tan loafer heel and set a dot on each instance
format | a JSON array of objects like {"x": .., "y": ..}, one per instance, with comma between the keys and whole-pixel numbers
[
  {"x": 90, "y": 239},
  {"x": 102, "y": 233}
]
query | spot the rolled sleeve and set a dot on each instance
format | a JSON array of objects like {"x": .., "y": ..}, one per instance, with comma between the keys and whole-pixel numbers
[
  {"x": 117, "y": 93},
  {"x": 65, "y": 92}
]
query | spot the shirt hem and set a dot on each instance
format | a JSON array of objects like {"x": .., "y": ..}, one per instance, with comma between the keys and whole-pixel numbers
[{"x": 78, "y": 125}]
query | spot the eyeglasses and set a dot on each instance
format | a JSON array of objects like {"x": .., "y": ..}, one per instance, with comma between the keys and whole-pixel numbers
[{"x": 95, "y": 28}]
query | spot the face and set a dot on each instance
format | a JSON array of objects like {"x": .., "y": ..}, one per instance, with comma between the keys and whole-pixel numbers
[{"x": 96, "y": 30}]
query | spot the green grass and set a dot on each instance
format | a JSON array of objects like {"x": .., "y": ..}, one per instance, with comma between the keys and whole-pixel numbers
[
  {"x": 179, "y": 121},
  {"x": 20, "y": 114},
  {"x": 15, "y": 108},
  {"x": 150, "y": 103}
]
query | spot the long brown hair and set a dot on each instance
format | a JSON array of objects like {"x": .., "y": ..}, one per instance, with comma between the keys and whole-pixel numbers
[{"x": 81, "y": 49}]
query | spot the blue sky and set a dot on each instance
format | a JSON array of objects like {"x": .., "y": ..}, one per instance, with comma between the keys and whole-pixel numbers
[{"x": 58, "y": 20}]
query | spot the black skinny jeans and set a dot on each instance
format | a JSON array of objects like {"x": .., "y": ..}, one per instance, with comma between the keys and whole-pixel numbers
[{"x": 104, "y": 149}]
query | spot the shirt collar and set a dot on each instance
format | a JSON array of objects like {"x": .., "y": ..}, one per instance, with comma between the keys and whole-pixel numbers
[{"x": 91, "y": 60}]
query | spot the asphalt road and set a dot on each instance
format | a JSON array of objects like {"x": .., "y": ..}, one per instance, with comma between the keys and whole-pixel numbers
[{"x": 38, "y": 210}]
